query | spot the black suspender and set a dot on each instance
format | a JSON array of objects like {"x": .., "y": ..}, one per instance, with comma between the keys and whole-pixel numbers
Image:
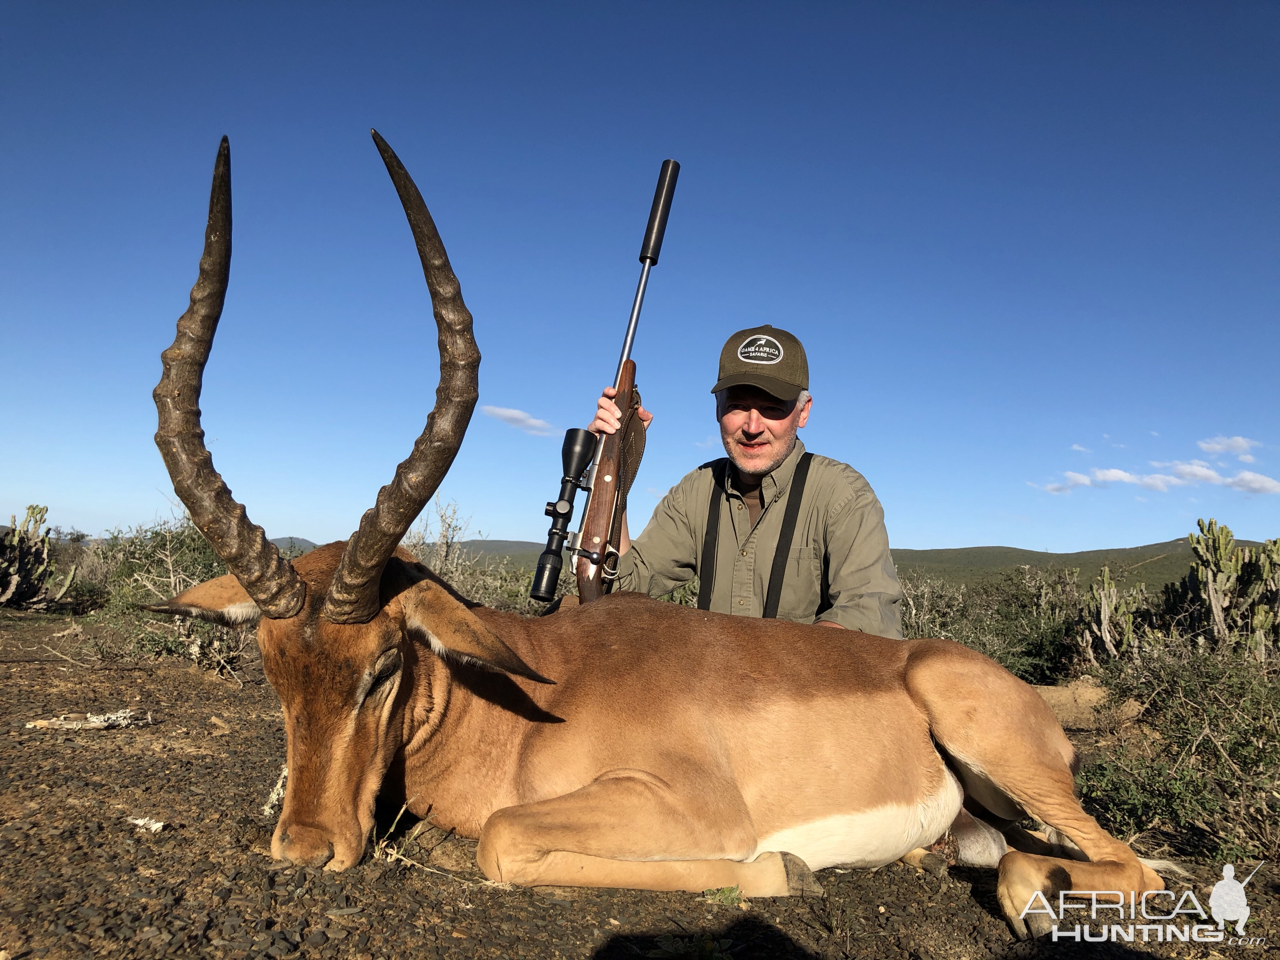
[
  {"x": 786, "y": 536},
  {"x": 707, "y": 568}
]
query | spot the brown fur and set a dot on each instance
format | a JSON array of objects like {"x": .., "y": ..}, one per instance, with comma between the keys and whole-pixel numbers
[{"x": 668, "y": 744}]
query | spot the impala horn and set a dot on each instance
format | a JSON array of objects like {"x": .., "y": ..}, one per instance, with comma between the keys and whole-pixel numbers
[
  {"x": 242, "y": 545},
  {"x": 353, "y": 593}
]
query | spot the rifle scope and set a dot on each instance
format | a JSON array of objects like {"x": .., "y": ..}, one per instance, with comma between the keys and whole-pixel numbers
[{"x": 575, "y": 454}]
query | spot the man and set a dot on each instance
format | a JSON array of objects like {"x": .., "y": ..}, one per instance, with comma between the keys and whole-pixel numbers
[{"x": 724, "y": 521}]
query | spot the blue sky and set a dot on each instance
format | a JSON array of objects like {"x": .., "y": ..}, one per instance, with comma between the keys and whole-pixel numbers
[{"x": 1032, "y": 250}]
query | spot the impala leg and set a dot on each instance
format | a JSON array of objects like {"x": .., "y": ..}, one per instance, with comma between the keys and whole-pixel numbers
[
  {"x": 1014, "y": 761},
  {"x": 633, "y": 832}
]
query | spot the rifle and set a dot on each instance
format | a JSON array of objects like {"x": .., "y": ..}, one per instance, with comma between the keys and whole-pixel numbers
[{"x": 604, "y": 466}]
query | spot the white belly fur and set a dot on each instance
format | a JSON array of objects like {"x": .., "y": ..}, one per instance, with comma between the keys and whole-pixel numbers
[{"x": 870, "y": 838}]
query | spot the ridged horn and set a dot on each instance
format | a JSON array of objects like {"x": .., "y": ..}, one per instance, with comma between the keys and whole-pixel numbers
[
  {"x": 242, "y": 545},
  {"x": 353, "y": 595}
]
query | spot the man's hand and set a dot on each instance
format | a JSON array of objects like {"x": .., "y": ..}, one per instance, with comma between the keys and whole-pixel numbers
[
  {"x": 609, "y": 417},
  {"x": 829, "y": 623}
]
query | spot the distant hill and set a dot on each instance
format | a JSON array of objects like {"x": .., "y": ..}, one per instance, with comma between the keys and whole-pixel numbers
[
  {"x": 1154, "y": 564},
  {"x": 520, "y": 553},
  {"x": 293, "y": 545}
]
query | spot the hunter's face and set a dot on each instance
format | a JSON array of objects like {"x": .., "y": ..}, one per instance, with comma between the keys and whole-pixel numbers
[{"x": 757, "y": 428}]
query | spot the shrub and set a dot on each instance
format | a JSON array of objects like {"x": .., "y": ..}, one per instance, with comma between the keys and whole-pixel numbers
[
  {"x": 1202, "y": 771},
  {"x": 1021, "y": 620},
  {"x": 484, "y": 580},
  {"x": 148, "y": 564}
]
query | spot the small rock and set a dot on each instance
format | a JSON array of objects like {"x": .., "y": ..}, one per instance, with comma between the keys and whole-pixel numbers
[
  {"x": 934, "y": 864},
  {"x": 317, "y": 939}
]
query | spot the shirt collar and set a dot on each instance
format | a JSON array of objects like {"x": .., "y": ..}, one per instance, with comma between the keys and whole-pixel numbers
[{"x": 774, "y": 484}]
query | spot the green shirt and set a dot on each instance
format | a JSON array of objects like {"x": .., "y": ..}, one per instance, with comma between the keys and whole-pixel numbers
[{"x": 840, "y": 541}]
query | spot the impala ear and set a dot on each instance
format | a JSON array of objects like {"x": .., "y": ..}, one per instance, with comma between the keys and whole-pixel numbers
[
  {"x": 454, "y": 632},
  {"x": 221, "y": 600}
]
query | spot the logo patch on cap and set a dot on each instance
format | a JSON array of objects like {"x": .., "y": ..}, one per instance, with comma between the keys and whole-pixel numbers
[{"x": 760, "y": 349}]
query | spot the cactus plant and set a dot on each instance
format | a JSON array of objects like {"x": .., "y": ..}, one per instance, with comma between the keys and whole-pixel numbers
[
  {"x": 1231, "y": 593},
  {"x": 1108, "y": 617},
  {"x": 25, "y": 567}
]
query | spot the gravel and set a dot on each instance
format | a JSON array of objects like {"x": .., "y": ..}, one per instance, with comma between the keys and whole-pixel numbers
[{"x": 77, "y": 879}]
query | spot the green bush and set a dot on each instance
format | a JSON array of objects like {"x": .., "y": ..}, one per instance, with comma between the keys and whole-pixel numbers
[
  {"x": 1202, "y": 771},
  {"x": 484, "y": 580},
  {"x": 1022, "y": 620},
  {"x": 146, "y": 565}
]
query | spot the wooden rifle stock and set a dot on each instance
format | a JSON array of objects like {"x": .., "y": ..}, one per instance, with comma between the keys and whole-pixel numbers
[{"x": 603, "y": 521}]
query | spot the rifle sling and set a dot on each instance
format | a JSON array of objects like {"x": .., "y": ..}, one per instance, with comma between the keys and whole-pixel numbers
[{"x": 707, "y": 568}]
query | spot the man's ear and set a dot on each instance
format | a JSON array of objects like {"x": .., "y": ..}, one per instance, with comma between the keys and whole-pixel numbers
[
  {"x": 454, "y": 632},
  {"x": 804, "y": 412},
  {"x": 221, "y": 600}
]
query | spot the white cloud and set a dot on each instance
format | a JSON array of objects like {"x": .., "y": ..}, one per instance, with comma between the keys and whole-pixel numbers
[
  {"x": 1240, "y": 446},
  {"x": 519, "y": 419},
  {"x": 1251, "y": 482},
  {"x": 1150, "y": 481},
  {"x": 1197, "y": 471},
  {"x": 711, "y": 441},
  {"x": 1079, "y": 449},
  {"x": 1184, "y": 474},
  {"x": 1073, "y": 480}
]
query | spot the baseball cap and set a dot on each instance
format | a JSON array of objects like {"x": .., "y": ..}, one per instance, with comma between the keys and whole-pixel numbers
[{"x": 766, "y": 357}]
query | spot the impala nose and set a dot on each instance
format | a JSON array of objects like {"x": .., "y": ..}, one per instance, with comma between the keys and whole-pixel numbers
[{"x": 306, "y": 846}]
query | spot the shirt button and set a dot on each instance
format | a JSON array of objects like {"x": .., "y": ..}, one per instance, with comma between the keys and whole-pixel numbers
[
  {"x": 744, "y": 553},
  {"x": 739, "y": 506},
  {"x": 741, "y": 602}
]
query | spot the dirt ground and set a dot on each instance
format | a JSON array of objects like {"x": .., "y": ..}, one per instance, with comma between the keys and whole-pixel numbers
[{"x": 79, "y": 879}]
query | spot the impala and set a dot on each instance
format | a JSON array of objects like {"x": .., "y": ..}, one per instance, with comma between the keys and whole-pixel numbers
[{"x": 621, "y": 743}]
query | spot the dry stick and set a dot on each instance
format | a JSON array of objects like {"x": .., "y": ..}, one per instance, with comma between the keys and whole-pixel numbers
[
  {"x": 229, "y": 670},
  {"x": 74, "y": 628},
  {"x": 1191, "y": 749},
  {"x": 64, "y": 656},
  {"x": 1239, "y": 772}
]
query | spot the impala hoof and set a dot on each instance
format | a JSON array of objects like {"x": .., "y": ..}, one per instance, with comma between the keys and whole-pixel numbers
[{"x": 800, "y": 879}]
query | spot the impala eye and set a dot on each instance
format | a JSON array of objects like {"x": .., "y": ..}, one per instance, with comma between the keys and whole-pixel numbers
[{"x": 387, "y": 667}]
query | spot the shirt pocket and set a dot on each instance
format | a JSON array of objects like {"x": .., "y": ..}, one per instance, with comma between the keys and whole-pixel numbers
[{"x": 801, "y": 585}]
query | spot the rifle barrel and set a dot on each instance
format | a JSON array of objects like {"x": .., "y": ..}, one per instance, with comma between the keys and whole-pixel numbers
[
  {"x": 633, "y": 322},
  {"x": 650, "y": 248}
]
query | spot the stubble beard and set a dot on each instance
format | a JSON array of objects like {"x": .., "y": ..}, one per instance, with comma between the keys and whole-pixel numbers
[{"x": 753, "y": 472}]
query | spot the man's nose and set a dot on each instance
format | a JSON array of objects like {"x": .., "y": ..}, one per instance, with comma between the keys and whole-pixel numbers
[{"x": 755, "y": 422}]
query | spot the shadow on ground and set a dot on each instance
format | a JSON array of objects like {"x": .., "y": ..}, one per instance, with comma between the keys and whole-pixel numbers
[{"x": 748, "y": 938}]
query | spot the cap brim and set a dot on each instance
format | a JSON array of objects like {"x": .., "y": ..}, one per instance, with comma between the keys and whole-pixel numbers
[{"x": 779, "y": 388}]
